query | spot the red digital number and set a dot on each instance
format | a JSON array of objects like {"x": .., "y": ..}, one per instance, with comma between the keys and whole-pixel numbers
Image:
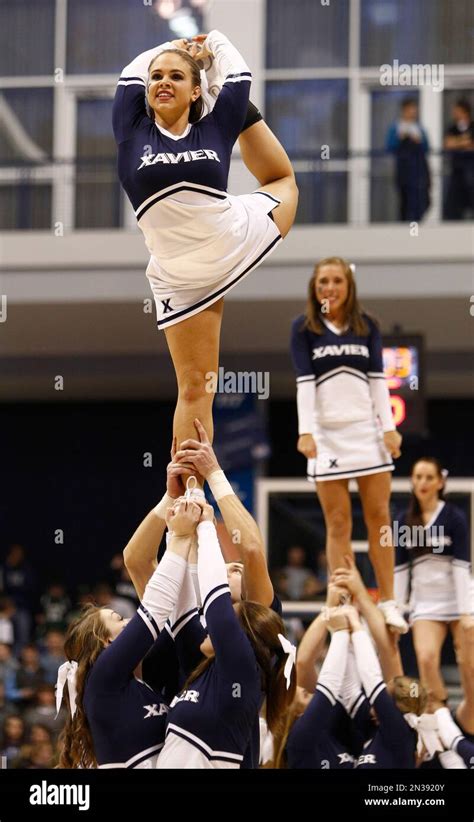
[{"x": 398, "y": 409}]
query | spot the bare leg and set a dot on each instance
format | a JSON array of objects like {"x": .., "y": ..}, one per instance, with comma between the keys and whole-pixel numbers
[
  {"x": 464, "y": 646},
  {"x": 336, "y": 504},
  {"x": 268, "y": 161},
  {"x": 428, "y": 639},
  {"x": 374, "y": 492},
  {"x": 194, "y": 349}
]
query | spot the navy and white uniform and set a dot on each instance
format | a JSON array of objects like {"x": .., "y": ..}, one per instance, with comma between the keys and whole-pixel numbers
[
  {"x": 453, "y": 738},
  {"x": 435, "y": 561},
  {"x": 392, "y": 744},
  {"x": 210, "y": 723},
  {"x": 126, "y": 717},
  {"x": 202, "y": 240},
  {"x": 312, "y": 742},
  {"x": 342, "y": 399},
  {"x": 177, "y": 652}
]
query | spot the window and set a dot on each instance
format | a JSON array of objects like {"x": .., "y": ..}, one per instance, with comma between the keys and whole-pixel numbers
[
  {"x": 27, "y": 42},
  {"x": 26, "y": 124},
  {"x": 103, "y": 37},
  {"x": 383, "y": 194},
  {"x": 26, "y": 135},
  {"x": 425, "y": 31},
  {"x": 319, "y": 34},
  {"x": 307, "y": 115},
  {"x": 98, "y": 193},
  {"x": 25, "y": 206}
]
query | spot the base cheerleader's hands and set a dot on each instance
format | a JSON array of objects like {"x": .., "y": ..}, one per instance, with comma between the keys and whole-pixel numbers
[
  {"x": 349, "y": 578},
  {"x": 175, "y": 484},
  {"x": 183, "y": 518},
  {"x": 352, "y": 616},
  {"x": 306, "y": 445},
  {"x": 336, "y": 619},
  {"x": 207, "y": 513},
  {"x": 199, "y": 454},
  {"x": 393, "y": 441},
  {"x": 336, "y": 595}
]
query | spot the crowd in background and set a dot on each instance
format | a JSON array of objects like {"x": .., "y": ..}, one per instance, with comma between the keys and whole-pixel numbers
[{"x": 33, "y": 623}]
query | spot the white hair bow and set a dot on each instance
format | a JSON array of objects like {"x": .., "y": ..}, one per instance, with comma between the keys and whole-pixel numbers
[
  {"x": 67, "y": 673},
  {"x": 426, "y": 727},
  {"x": 291, "y": 651}
]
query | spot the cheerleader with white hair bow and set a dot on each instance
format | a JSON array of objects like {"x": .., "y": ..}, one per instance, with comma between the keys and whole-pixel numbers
[{"x": 101, "y": 680}]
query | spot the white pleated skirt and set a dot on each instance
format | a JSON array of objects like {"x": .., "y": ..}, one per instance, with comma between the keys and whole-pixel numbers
[
  {"x": 347, "y": 450},
  {"x": 251, "y": 237}
]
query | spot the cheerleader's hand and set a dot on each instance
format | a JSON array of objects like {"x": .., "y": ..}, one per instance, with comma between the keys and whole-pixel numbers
[
  {"x": 336, "y": 620},
  {"x": 183, "y": 517},
  {"x": 336, "y": 595},
  {"x": 180, "y": 44},
  {"x": 349, "y": 578},
  {"x": 202, "y": 52},
  {"x": 207, "y": 513},
  {"x": 306, "y": 446},
  {"x": 393, "y": 441}
]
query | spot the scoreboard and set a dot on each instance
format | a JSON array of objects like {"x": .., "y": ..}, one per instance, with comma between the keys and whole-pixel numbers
[{"x": 404, "y": 369}]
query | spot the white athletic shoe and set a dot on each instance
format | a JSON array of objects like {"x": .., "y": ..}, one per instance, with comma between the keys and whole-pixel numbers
[{"x": 392, "y": 616}]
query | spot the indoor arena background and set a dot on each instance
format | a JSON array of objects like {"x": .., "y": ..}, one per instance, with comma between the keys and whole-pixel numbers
[{"x": 86, "y": 384}]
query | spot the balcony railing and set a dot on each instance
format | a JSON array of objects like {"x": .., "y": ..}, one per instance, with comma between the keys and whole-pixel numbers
[{"x": 355, "y": 188}]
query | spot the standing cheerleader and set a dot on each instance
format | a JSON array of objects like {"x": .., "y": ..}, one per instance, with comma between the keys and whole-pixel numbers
[
  {"x": 346, "y": 428},
  {"x": 433, "y": 556}
]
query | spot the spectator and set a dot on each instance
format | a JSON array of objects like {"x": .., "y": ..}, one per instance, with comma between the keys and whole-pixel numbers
[
  {"x": 84, "y": 596},
  {"x": 407, "y": 140},
  {"x": 41, "y": 756},
  {"x": 121, "y": 581},
  {"x": 105, "y": 598},
  {"x": 296, "y": 581},
  {"x": 12, "y": 738},
  {"x": 8, "y": 664},
  {"x": 21, "y": 688},
  {"x": 459, "y": 139},
  {"x": 18, "y": 582},
  {"x": 6, "y": 708},
  {"x": 37, "y": 735},
  {"x": 7, "y": 631},
  {"x": 44, "y": 711},
  {"x": 55, "y": 605},
  {"x": 53, "y": 655}
]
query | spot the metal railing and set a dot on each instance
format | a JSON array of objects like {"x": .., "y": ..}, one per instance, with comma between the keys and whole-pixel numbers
[{"x": 85, "y": 193}]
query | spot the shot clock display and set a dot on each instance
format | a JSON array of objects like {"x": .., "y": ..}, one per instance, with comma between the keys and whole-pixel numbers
[{"x": 403, "y": 366}]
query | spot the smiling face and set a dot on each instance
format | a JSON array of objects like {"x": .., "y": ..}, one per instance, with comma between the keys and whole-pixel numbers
[
  {"x": 426, "y": 482},
  {"x": 331, "y": 289},
  {"x": 171, "y": 87}
]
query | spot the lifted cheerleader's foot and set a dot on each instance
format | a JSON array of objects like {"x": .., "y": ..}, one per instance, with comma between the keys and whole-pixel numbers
[
  {"x": 393, "y": 617},
  {"x": 193, "y": 493}
]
